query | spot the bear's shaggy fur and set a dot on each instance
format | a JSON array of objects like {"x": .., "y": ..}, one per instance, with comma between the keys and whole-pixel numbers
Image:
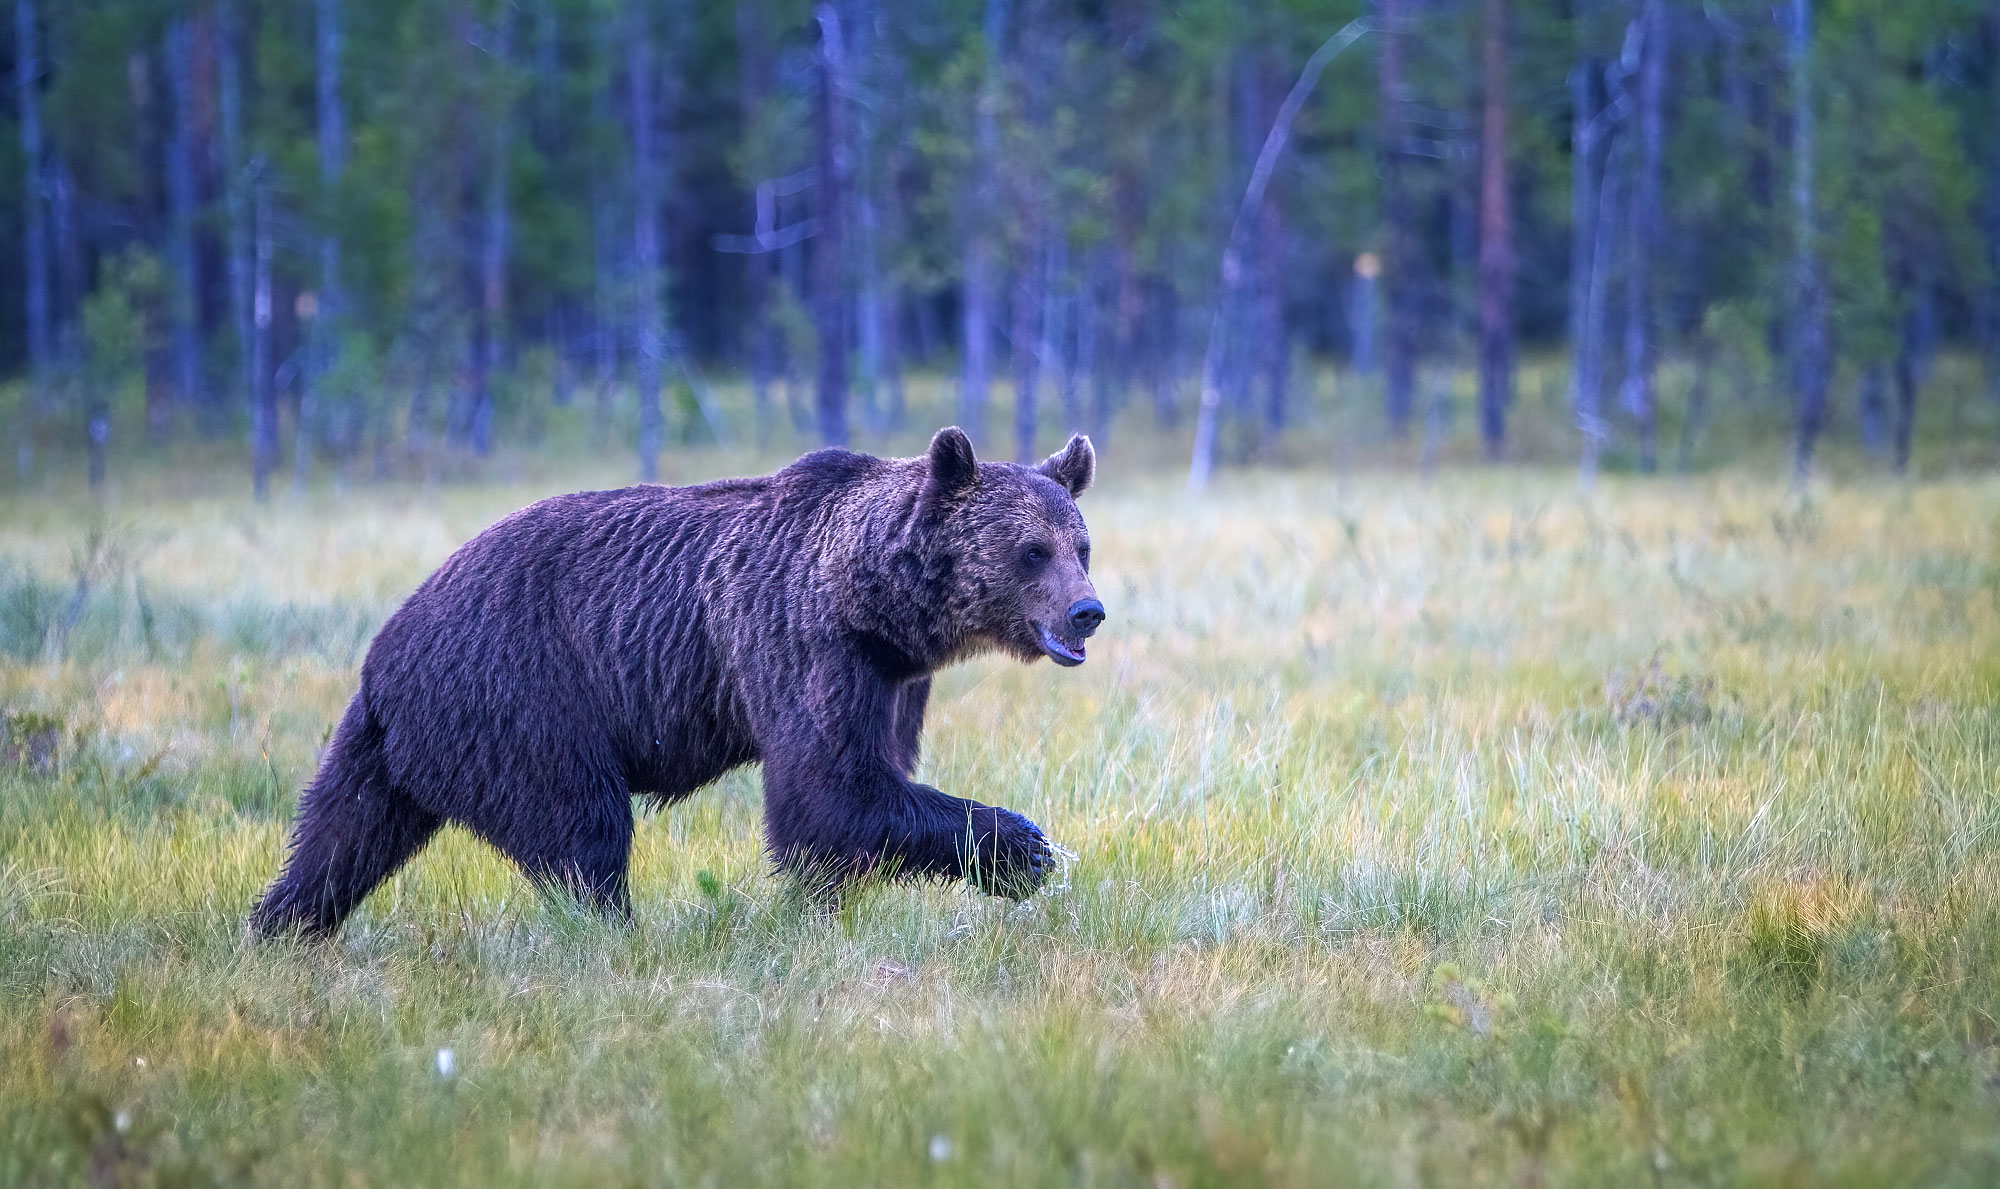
[{"x": 644, "y": 641}]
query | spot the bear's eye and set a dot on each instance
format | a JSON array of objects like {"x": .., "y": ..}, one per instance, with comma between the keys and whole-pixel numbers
[
  {"x": 1083, "y": 555},
  {"x": 1034, "y": 555}
]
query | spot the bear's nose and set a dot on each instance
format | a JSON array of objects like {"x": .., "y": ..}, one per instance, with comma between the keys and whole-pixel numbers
[{"x": 1085, "y": 615}]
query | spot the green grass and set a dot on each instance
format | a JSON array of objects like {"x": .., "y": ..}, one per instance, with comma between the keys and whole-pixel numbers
[{"x": 1432, "y": 832}]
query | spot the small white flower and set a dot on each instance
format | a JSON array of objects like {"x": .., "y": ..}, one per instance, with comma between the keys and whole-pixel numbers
[
  {"x": 447, "y": 1063},
  {"x": 122, "y": 1121},
  {"x": 940, "y": 1149}
]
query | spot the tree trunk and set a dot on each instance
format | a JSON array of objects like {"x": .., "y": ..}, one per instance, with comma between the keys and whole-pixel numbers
[
  {"x": 1582, "y": 217},
  {"x": 861, "y": 115},
  {"x": 184, "y": 282},
  {"x": 1363, "y": 317},
  {"x": 605, "y": 317},
  {"x": 1874, "y": 402},
  {"x": 976, "y": 307},
  {"x": 1697, "y": 407},
  {"x": 1993, "y": 228},
  {"x": 66, "y": 241},
  {"x": 35, "y": 244},
  {"x": 1496, "y": 244},
  {"x": 236, "y": 185},
  {"x": 649, "y": 316},
  {"x": 1202, "y": 464},
  {"x": 753, "y": 85},
  {"x": 1058, "y": 335},
  {"x": 1809, "y": 337},
  {"x": 1274, "y": 344},
  {"x": 890, "y": 79},
  {"x": 830, "y": 305},
  {"x": 1641, "y": 302},
  {"x": 1026, "y": 335},
  {"x": 263, "y": 396},
  {"x": 1590, "y": 387},
  {"x": 153, "y": 303},
  {"x": 325, "y": 331},
  {"x": 496, "y": 238},
  {"x": 1085, "y": 369},
  {"x": 1400, "y": 249},
  {"x": 1912, "y": 350}
]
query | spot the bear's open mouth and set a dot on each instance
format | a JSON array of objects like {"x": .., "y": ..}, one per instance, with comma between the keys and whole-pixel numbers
[{"x": 1059, "y": 651}]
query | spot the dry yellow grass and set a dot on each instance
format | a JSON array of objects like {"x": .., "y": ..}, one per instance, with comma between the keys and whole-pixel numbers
[{"x": 1462, "y": 830}]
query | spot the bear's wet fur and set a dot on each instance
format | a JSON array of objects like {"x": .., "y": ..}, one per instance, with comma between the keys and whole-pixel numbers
[{"x": 597, "y": 646}]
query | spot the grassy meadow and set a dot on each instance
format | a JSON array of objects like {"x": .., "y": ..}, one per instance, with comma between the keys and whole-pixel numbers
[{"x": 1427, "y": 831}]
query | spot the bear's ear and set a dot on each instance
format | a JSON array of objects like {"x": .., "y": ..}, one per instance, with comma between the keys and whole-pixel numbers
[
  {"x": 1073, "y": 466},
  {"x": 953, "y": 468}
]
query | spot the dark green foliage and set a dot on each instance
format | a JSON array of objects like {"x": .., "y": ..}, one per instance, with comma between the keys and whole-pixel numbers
[{"x": 1122, "y": 136}]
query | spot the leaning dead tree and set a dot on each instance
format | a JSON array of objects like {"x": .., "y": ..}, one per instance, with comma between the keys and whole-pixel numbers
[{"x": 1203, "y": 463}]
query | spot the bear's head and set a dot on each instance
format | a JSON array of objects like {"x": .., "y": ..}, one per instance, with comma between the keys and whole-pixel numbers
[{"x": 1020, "y": 554}]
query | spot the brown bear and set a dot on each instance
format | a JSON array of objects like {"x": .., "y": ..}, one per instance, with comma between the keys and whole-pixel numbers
[{"x": 644, "y": 641}]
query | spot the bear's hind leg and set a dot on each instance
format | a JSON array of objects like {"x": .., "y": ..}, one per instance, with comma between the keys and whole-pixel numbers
[
  {"x": 353, "y": 831},
  {"x": 583, "y": 850}
]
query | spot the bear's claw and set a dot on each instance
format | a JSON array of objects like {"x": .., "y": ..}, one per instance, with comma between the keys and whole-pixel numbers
[{"x": 1015, "y": 860}]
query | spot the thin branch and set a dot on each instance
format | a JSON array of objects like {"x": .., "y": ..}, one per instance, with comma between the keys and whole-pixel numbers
[{"x": 1232, "y": 254}]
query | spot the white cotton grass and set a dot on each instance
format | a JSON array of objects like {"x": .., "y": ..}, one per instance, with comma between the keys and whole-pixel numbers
[
  {"x": 447, "y": 1063},
  {"x": 941, "y": 1149}
]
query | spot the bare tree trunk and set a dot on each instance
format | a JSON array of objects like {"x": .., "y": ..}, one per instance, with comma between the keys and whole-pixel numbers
[
  {"x": 99, "y": 431},
  {"x": 1203, "y": 462},
  {"x": 830, "y": 304},
  {"x": 1128, "y": 303},
  {"x": 236, "y": 185},
  {"x": 559, "y": 318},
  {"x": 1811, "y": 362},
  {"x": 976, "y": 307},
  {"x": 605, "y": 306},
  {"x": 1993, "y": 229},
  {"x": 35, "y": 244},
  {"x": 1585, "y": 137},
  {"x": 1641, "y": 302},
  {"x": 66, "y": 241},
  {"x": 1496, "y": 244},
  {"x": 1874, "y": 402},
  {"x": 496, "y": 237},
  {"x": 1084, "y": 367},
  {"x": 1058, "y": 302},
  {"x": 1582, "y": 196},
  {"x": 182, "y": 277},
  {"x": 263, "y": 397},
  {"x": 861, "y": 114},
  {"x": 1912, "y": 350},
  {"x": 890, "y": 81},
  {"x": 1697, "y": 410},
  {"x": 649, "y": 316},
  {"x": 1590, "y": 387},
  {"x": 325, "y": 332},
  {"x": 753, "y": 85},
  {"x": 154, "y": 303},
  {"x": 1363, "y": 314},
  {"x": 1400, "y": 249},
  {"x": 1273, "y": 339},
  {"x": 1026, "y": 334}
]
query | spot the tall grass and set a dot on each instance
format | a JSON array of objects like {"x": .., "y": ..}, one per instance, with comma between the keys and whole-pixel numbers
[{"x": 1432, "y": 832}]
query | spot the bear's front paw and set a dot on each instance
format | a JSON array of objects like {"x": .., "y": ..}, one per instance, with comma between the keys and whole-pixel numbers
[{"x": 1013, "y": 857}]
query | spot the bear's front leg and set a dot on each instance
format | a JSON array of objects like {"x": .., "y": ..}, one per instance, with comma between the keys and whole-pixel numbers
[
  {"x": 830, "y": 823},
  {"x": 839, "y": 803}
]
